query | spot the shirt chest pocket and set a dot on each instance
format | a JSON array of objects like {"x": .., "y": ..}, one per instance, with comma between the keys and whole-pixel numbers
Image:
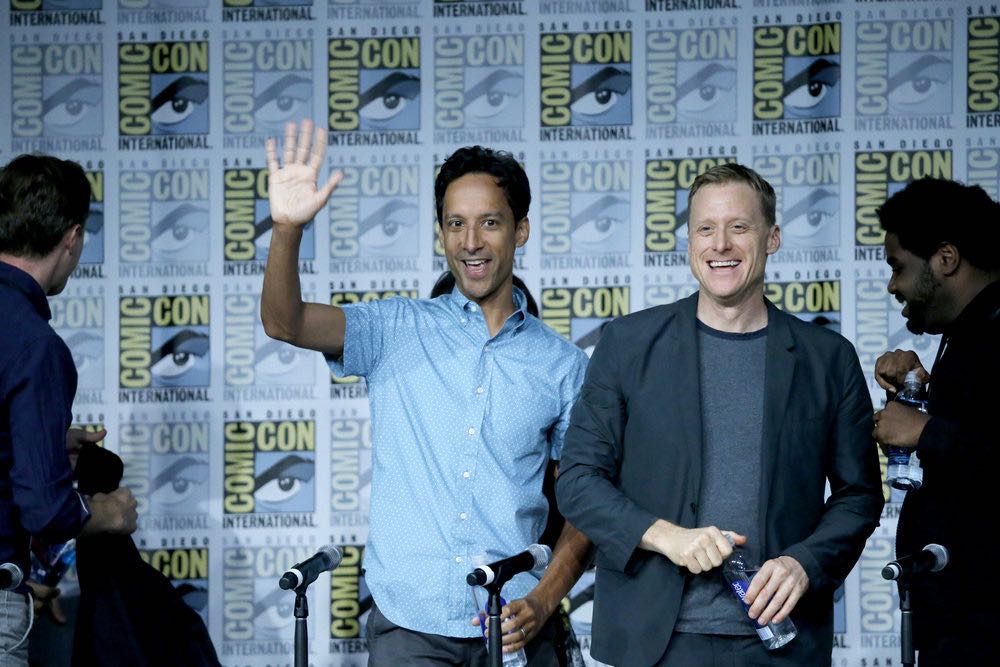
[{"x": 518, "y": 422}]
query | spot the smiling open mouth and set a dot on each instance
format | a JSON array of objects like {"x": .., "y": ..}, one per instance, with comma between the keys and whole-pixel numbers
[{"x": 723, "y": 264}]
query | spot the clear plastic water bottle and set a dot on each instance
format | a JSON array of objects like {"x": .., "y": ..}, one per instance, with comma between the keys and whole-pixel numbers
[
  {"x": 49, "y": 563},
  {"x": 904, "y": 471},
  {"x": 516, "y": 659},
  {"x": 738, "y": 574}
]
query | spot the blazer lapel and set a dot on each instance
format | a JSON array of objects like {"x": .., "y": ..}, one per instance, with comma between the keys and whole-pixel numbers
[
  {"x": 682, "y": 366},
  {"x": 778, "y": 373}
]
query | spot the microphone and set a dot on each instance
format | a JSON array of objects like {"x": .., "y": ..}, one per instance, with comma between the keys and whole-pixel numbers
[
  {"x": 931, "y": 558},
  {"x": 10, "y": 576},
  {"x": 305, "y": 573},
  {"x": 535, "y": 557}
]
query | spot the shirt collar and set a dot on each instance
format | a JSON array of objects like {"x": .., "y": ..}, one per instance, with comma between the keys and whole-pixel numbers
[
  {"x": 27, "y": 285},
  {"x": 517, "y": 318}
]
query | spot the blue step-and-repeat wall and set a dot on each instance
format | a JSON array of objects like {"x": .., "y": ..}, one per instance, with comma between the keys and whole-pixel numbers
[{"x": 244, "y": 454}]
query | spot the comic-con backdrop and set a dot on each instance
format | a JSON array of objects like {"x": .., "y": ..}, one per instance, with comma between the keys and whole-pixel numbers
[{"x": 244, "y": 454}]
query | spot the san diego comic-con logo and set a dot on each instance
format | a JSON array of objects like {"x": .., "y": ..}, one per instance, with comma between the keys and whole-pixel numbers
[
  {"x": 374, "y": 216},
  {"x": 55, "y": 12},
  {"x": 257, "y": 11},
  {"x": 691, "y": 81},
  {"x": 270, "y": 469},
  {"x": 343, "y": 293},
  {"x": 665, "y": 219},
  {"x": 163, "y": 91},
  {"x": 373, "y": 89},
  {"x": 78, "y": 317},
  {"x": 162, "y": 12},
  {"x": 982, "y": 165},
  {"x": 814, "y": 298},
  {"x": 586, "y": 84},
  {"x": 585, "y": 208},
  {"x": 480, "y": 8},
  {"x": 904, "y": 74},
  {"x": 256, "y": 366},
  {"x": 57, "y": 94},
  {"x": 265, "y": 84},
  {"x": 796, "y": 77},
  {"x": 881, "y": 173},
  {"x": 350, "y": 602},
  {"x": 186, "y": 568},
  {"x": 806, "y": 181},
  {"x": 350, "y": 470},
  {"x": 247, "y": 222},
  {"x": 164, "y": 346},
  {"x": 167, "y": 466},
  {"x": 163, "y": 218},
  {"x": 479, "y": 87},
  {"x": 257, "y": 616},
  {"x": 579, "y": 312},
  {"x": 982, "y": 86}
]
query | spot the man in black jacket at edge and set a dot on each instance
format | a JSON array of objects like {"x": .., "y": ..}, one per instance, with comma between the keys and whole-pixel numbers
[{"x": 941, "y": 244}]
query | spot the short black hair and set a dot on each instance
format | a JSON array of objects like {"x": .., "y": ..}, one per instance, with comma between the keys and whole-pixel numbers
[
  {"x": 478, "y": 160},
  {"x": 41, "y": 198},
  {"x": 932, "y": 211},
  {"x": 446, "y": 283}
]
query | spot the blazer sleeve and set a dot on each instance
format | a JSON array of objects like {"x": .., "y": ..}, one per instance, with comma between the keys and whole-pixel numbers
[
  {"x": 854, "y": 506},
  {"x": 587, "y": 490}
]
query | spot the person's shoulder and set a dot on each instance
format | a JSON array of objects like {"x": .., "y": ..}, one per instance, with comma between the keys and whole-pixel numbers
[
  {"x": 813, "y": 334},
  {"x": 550, "y": 338}
]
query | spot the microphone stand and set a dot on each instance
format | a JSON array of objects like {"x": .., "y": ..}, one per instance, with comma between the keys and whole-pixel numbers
[
  {"x": 905, "y": 624},
  {"x": 495, "y": 639},
  {"x": 301, "y": 628}
]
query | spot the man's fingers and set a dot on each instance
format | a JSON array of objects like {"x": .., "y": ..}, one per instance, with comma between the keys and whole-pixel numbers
[
  {"x": 305, "y": 134},
  {"x": 289, "y": 143},
  {"x": 271, "y": 148},
  {"x": 318, "y": 149}
]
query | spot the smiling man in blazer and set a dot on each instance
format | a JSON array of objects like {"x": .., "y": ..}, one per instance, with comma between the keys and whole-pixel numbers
[{"x": 716, "y": 420}]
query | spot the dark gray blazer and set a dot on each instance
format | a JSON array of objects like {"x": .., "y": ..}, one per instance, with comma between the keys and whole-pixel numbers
[{"x": 633, "y": 454}]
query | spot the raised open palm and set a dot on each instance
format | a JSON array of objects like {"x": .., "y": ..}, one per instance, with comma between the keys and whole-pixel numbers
[{"x": 293, "y": 188}]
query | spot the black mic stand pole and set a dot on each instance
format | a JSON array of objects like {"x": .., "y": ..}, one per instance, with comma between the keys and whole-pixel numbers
[
  {"x": 905, "y": 624},
  {"x": 301, "y": 628},
  {"x": 494, "y": 644}
]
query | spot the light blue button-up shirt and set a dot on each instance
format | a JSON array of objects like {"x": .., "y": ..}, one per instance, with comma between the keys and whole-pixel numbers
[{"x": 463, "y": 427}]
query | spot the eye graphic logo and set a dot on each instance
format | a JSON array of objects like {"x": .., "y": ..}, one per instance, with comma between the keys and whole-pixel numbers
[
  {"x": 270, "y": 467},
  {"x": 691, "y": 76},
  {"x": 479, "y": 81},
  {"x": 266, "y": 84},
  {"x": 880, "y": 174},
  {"x": 163, "y": 88},
  {"x": 580, "y": 313},
  {"x": 253, "y": 358},
  {"x": 57, "y": 90},
  {"x": 79, "y": 320},
  {"x": 585, "y": 206},
  {"x": 254, "y": 608},
  {"x": 164, "y": 341},
  {"x": 904, "y": 68},
  {"x": 807, "y": 190},
  {"x": 375, "y": 213},
  {"x": 163, "y": 216},
  {"x": 374, "y": 84},
  {"x": 796, "y": 72},
  {"x": 586, "y": 79}
]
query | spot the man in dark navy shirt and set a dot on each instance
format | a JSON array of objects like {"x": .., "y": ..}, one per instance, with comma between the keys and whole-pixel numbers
[
  {"x": 43, "y": 204},
  {"x": 941, "y": 244}
]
